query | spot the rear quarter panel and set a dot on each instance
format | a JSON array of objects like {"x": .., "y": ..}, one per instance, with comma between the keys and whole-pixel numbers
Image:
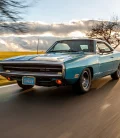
[
  {"x": 74, "y": 67},
  {"x": 116, "y": 60}
]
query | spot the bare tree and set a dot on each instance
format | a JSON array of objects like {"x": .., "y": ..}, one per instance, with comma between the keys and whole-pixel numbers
[
  {"x": 10, "y": 11},
  {"x": 108, "y": 31}
]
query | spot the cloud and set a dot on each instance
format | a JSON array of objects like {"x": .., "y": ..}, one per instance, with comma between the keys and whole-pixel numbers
[
  {"x": 45, "y": 32},
  {"x": 59, "y": 29},
  {"x": 26, "y": 43}
]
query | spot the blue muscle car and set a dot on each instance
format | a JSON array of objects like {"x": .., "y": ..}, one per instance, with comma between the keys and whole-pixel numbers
[{"x": 73, "y": 62}]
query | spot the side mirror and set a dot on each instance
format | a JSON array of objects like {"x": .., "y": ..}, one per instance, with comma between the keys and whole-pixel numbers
[{"x": 102, "y": 51}]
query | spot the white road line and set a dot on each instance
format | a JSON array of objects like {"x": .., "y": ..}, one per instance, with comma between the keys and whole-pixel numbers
[{"x": 7, "y": 86}]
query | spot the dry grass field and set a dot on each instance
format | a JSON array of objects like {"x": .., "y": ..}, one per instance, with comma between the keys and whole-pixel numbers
[
  {"x": 4, "y": 81},
  {"x": 3, "y": 55}
]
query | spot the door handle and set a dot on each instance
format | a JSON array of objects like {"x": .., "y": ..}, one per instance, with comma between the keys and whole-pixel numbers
[{"x": 111, "y": 57}]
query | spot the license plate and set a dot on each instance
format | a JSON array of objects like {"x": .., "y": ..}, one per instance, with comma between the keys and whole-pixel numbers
[{"x": 26, "y": 80}]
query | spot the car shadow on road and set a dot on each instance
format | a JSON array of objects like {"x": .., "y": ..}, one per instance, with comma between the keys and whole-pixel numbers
[
  {"x": 49, "y": 111},
  {"x": 101, "y": 87}
]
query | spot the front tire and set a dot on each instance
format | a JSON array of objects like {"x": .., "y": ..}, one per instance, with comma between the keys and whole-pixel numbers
[
  {"x": 116, "y": 75},
  {"x": 84, "y": 83},
  {"x": 24, "y": 87}
]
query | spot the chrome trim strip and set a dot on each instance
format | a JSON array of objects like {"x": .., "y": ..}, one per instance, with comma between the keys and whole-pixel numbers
[
  {"x": 63, "y": 70},
  {"x": 6, "y": 66},
  {"x": 35, "y": 68},
  {"x": 16, "y": 73},
  {"x": 31, "y": 62}
]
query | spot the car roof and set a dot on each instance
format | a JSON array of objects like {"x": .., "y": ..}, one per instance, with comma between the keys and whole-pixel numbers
[{"x": 76, "y": 39}]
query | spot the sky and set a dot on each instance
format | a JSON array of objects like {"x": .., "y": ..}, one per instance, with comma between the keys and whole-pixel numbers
[
  {"x": 53, "y": 20},
  {"x": 66, "y": 10},
  {"x": 46, "y": 33}
]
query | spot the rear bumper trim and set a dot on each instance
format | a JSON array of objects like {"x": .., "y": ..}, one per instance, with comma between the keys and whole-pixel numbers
[{"x": 35, "y": 74}]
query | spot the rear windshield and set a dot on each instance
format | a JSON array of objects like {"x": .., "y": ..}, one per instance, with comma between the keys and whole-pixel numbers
[{"x": 73, "y": 46}]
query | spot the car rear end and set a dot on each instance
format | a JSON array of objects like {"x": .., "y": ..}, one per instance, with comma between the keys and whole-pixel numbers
[{"x": 34, "y": 73}]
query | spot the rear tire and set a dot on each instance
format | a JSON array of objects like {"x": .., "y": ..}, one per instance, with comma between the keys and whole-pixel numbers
[
  {"x": 24, "y": 87},
  {"x": 116, "y": 75},
  {"x": 84, "y": 83}
]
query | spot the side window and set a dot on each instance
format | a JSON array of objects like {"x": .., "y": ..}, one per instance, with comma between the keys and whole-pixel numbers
[
  {"x": 84, "y": 48},
  {"x": 102, "y": 48},
  {"x": 61, "y": 46}
]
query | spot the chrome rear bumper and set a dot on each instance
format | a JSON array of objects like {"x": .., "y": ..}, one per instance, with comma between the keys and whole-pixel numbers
[{"x": 20, "y": 74}]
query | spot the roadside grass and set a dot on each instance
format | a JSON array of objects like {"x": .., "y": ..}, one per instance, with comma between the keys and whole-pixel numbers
[
  {"x": 4, "y": 81},
  {"x": 3, "y": 55}
]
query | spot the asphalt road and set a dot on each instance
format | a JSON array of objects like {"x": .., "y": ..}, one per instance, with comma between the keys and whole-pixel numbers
[{"x": 58, "y": 113}]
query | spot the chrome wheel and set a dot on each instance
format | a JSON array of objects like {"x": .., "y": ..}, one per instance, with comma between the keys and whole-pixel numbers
[
  {"x": 84, "y": 83},
  {"x": 86, "y": 80},
  {"x": 116, "y": 74},
  {"x": 118, "y": 71}
]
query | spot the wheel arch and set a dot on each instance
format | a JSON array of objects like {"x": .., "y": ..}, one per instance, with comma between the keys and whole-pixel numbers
[{"x": 92, "y": 71}]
